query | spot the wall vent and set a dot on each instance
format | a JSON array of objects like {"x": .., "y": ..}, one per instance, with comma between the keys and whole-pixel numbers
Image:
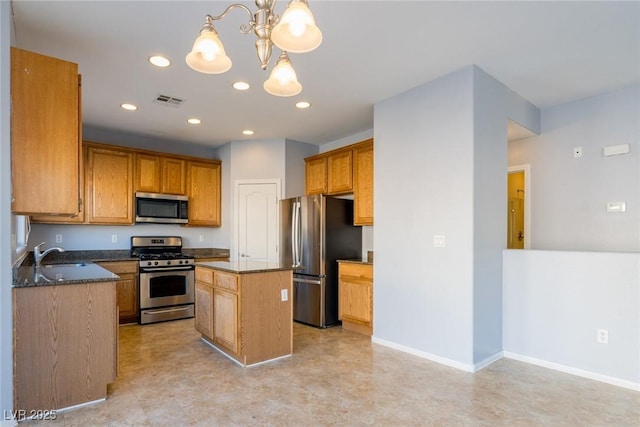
[{"x": 168, "y": 101}]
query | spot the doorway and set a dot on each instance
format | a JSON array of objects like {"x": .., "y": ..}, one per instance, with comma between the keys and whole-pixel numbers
[
  {"x": 257, "y": 219},
  {"x": 518, "y": 207}
]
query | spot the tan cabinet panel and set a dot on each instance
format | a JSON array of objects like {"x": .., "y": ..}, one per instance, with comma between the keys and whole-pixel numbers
[
  {"x": 225, "y": 315},
  {"x": 45, "y": 134},
  {"x": 363, "y": 184},
  {"x": 126, "y": 289},
  {"x": 340, "y": 173},
  {"x": 73, "y": 365},
  {"x": 204, "y": 309},
  {"x": 147, "y": 173},
  {"x": 203, "y": 189},
  {"x": 355, "y": 297},
  {"x": 109, "y": 186},
  {"x": 316, "y": 175},
  {"x": 173, "y": 176}
]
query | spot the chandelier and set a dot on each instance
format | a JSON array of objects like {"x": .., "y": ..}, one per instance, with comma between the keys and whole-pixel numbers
[{"x": 295, "y": 32}]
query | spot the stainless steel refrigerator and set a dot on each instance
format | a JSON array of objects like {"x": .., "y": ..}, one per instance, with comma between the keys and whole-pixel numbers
[{"x": 315, "y": 232}]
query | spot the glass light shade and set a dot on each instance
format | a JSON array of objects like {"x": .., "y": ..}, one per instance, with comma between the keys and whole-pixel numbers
[
  {"x": 283, "y": 80},
  {"x": 296, "y": 30},
  {"x": 208, "y": 55}
]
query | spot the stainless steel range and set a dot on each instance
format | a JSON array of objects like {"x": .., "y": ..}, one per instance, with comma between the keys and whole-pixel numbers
[{"x": 166, "y": 278}]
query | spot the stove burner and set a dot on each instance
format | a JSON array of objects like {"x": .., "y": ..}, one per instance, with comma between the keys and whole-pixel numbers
[{"x": 164, "y": 255}]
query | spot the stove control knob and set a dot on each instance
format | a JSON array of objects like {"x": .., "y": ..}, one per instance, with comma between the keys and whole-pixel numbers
[
  {"x": 148, "y": 262},
  {"x": 168, "y": 262},
  {"x": 155, "y": 263}
]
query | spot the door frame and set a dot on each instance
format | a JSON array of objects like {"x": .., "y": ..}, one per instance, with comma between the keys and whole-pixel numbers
[
  {"x": 236, "y": 206},
  {"x": 527, "y": 200}
]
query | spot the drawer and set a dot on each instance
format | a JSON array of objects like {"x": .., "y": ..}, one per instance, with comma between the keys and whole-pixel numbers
[
  {"x": 226, "y": 281},
  {"x": 120, "y": 267},
  {"x": 204, "y": 275},
  {"x": 362, "y": 271}
]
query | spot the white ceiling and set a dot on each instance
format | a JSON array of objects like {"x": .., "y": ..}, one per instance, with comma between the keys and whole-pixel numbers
[{"x": 549, "y": 52}]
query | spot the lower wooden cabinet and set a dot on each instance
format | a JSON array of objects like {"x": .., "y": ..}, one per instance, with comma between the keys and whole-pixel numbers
[
  {"x": 355, "y": 297},
  {"x": 244, "y": 314},
  {"x": 65, "y": 344},
  {"x": 127, "y": 288}
]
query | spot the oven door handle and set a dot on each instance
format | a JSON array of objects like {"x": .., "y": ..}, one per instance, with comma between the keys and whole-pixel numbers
[{"x": 149, "y": 270}]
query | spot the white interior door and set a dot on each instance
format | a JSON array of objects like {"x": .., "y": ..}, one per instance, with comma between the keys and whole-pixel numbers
[{"x": 257, "y": 234}]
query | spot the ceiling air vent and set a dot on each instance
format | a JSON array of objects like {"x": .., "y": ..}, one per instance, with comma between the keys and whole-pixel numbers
[{"x": 168, "y": 101}]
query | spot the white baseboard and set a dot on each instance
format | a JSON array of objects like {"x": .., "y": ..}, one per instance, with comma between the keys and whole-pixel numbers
[
  {"x": 574, "y": 371},
  {"x": 424, "y": 355},
  {"x": 487, "y": 361}
]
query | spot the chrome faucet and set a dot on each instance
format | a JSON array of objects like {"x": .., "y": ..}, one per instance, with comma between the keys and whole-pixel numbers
[{"x": 37, "y": 255}]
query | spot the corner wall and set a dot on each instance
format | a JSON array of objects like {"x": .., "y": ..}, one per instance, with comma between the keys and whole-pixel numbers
[{"x": 6, "y": 308}]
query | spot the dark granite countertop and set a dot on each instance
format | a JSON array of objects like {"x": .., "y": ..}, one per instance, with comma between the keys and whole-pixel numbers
[
  {"x": 69, "y": 257},
  {"x": 240, "y": 267},
  {"x": 61, "y": 274},
  {"x": 355, "y": 261}
]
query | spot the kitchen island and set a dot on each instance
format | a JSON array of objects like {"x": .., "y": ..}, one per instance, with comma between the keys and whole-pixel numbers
[
  {"x": 65, "y": 336},
  {"x": 244, "y": 310}
]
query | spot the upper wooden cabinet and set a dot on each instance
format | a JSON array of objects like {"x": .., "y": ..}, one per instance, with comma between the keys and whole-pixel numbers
[
  {"x": 160, "y": 174},
  {"x": 109, "y": 176},
  {"x": 363, "y": 183},
  {"x": 340, "y": 172},
  {"x": 316, "y": 175},
  {"x": 203, "y": 189},
  {"x": 45, "y": 135}
]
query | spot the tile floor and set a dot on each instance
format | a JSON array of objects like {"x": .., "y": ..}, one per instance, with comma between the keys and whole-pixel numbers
[{"x": 168, "y": 377}]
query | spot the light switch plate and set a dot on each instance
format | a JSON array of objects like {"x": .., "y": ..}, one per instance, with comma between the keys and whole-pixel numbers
[{"x": 439, "y": 241}]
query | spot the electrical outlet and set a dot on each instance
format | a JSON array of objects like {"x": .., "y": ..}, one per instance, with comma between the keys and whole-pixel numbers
[
  {"x": 58, "y": 238},
  {"x": 284, "y": 294},
  {"x": 201, "y": 238},
  {"x": 577, "y": 151},
  {"x": 603, "y": 336},
  {"x": 114, "y": 238}
]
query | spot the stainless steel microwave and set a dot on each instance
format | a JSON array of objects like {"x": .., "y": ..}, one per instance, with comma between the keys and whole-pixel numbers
[{"x": 162, "y": 208}]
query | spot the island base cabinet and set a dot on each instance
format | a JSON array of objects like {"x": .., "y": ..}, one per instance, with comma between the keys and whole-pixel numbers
[
  {"x": 247, "y": 316},
  {"x": 65, "y": 345}
]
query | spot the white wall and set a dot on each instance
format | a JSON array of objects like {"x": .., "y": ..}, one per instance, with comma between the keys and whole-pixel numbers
[
  {"x": 6, "y": 324},
  {"x": 441, "y": 164},
  {"x": 569, "y": 195},
  {"x": 424, "y": 187},
  {"x": 295, "y": 153},
  {"x": 555, "y": 301}
]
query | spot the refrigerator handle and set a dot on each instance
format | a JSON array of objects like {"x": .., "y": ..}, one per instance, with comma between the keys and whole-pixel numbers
[{"x": 295, "y": 234}]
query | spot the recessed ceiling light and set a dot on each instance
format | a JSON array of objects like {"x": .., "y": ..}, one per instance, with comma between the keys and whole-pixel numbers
[
  {"x": 303, "y": 104},
  {"x": 129, "y": 107},
  {"x": 159, "y": 61},
  {"x": 247, "y": 132},
  {"x": 194, "y": 121},
  {"x": 241, "y": 85}
]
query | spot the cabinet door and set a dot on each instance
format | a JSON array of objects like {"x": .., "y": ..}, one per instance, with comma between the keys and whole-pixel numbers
[
  {"x": 316, "y": 175},
  {"x": 339, "y": 173},
  {"x": 355, "y": 300},
  {"x": 173, "y": 176},
  {"x": 363, "y": 184},
  {"x": 204, "y": 193},
  {"x": 109, "y": 186},
  {"x": 147, "y": 172},
  {"x": 225, "y": 319},
  {"x": 204, "y": 310},
  {"x": 127, "y": 291},
  {"x": 45, "y": 134}
]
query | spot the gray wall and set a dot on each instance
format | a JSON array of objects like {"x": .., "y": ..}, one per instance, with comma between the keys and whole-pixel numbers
[
  {"x": 554, "y": 303},
  {"x": 6, "y": 323},
  {"x": 441, "y": 160},
  {"x": 569, "y": 195},
  {"x": 295, "y": 153}
]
